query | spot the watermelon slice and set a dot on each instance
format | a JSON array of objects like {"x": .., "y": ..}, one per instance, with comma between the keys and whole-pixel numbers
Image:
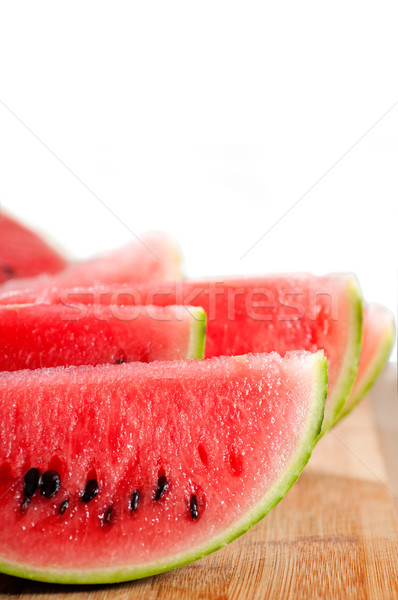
[
  {"x": 116, "y": 472},
  {"x": 39, "y": 335},
  {"x": 23, "y": 253},
  {"x": 155, "y": 257},
  {"x": 263, "y": 314},
  {"x": 377, "y": 344}
]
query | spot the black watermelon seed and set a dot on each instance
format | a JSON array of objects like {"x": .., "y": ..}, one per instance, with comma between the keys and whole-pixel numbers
[
  {"x": 135, "y": 497},
  {"x": 50, "y": 484},
  {"x": 7, "y": 270},
  {"x": 90, "y": 491},
  {"x": 24, "y": 504},
  {"x": 193, "y": 507},
  {"x": 64, "y": 506},
  {"x": 163, "y": 485},
  {"x": 108, "y": 515},
  {"x": 121, "y": 360},
  {"x": 31, "y": 482}
]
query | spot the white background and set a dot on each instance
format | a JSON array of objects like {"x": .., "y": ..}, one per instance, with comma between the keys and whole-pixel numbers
[{"x": 208, "y": 120}]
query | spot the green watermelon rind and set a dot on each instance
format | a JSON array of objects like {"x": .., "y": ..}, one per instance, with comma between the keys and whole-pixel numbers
[
  {"x": 349, "y": 367},
  {"x": 378, "y": 365},
  {"x": 176, "y": 264},
  {"x": 273, "y": 496},
  {"x": 197, "y": 337},
  {"x": 178, "y": 261}
]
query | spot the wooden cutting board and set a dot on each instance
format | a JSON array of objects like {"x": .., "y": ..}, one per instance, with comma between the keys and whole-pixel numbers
[{"x": 335, "y": 534}]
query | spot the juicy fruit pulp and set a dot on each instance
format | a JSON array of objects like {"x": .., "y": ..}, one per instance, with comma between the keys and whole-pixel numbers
[
  {"x": 23, "y": 253},
  {"x": 155, "y": 258},
  {"x": 263, "y": 314},
  {"x": 377, "y": 344},
  {"x": 39, "y": 335},
  {"x": 157, "y": 464}
]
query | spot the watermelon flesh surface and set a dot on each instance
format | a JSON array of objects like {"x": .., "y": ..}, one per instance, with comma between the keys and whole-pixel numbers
[
  {"x": 23, "y": 253},
  {"x": 39, "y": 335},
  {"x": 229, "y": 436},
  {"x": 155, "y": 257},
  {"x": 377, "y": 344},
  {"x": 257, "y": 314}
]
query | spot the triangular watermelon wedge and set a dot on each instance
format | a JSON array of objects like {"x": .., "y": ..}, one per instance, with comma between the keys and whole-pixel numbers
[
  {"x": 378, "y": 342},
  {"x": 51, "y": 335},
  {"x": 154, "y": 256},
  {"x": 23, "y": 253},
  {"x": 254, "y": 314},
  {"x": 117, "y": 472}
]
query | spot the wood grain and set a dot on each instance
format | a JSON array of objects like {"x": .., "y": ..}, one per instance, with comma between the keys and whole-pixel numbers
[{"x": 335, "y": 535}]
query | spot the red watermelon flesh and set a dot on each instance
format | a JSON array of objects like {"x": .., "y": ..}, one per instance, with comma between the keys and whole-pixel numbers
[
  {"x": 39, "y": 335},
  {"x": 153, "y": 257},
  {"x": 23, "y": 253},
  {"x": 257, "y": 314},
  {"x": 377, "y": 343},
  {"x": 157, "y": 464}
]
